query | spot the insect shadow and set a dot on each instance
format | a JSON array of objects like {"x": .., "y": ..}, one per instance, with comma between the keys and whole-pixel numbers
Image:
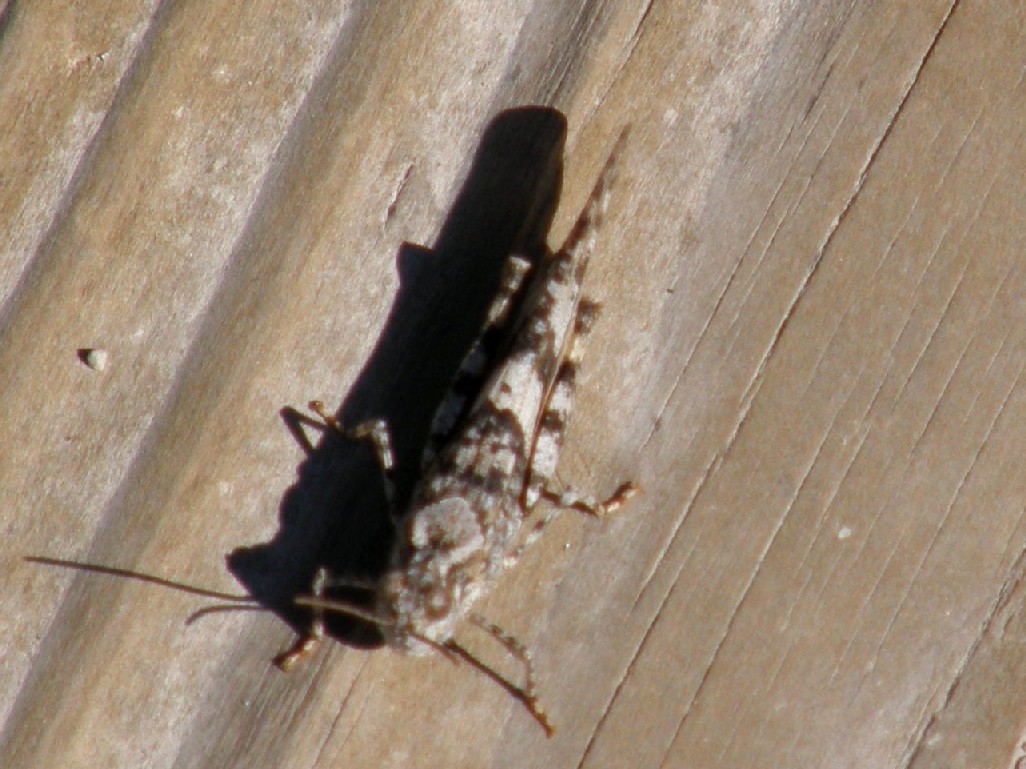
[{"x": 335, "y": 516}]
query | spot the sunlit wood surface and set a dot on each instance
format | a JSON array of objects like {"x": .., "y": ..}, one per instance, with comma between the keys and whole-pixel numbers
[{"x": 811, "y": 356}]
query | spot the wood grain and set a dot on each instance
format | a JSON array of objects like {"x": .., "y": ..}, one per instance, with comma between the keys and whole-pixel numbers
[{"x": 810, "y": 355}]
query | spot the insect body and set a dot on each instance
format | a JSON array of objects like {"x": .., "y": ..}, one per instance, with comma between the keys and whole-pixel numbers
[{"x": 488, "y": 464}]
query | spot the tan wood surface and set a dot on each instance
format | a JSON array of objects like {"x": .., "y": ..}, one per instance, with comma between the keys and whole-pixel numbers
[{"x": 811, "y": 356}]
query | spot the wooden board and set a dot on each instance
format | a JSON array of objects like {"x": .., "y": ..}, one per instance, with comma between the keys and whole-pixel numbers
[{"x": 811, "y": 356}]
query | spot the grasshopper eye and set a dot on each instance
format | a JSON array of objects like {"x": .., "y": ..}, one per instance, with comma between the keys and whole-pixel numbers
[{"x": 437, "y": 601}]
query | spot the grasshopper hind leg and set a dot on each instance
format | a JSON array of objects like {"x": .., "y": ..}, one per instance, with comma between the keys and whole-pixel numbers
[
  {"x": 556, "y": 416},
  {"x": 549, "y": 442}
]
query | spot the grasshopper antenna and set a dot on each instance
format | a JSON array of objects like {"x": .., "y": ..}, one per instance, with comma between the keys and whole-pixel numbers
[{"x": 114, "y": 571}]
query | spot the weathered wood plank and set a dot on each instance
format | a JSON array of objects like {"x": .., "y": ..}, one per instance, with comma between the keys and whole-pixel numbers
[{"x": 810, "y": 356}]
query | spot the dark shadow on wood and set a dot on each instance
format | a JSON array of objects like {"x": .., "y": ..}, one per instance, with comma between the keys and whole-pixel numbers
[{"x": 335, "y": 513}]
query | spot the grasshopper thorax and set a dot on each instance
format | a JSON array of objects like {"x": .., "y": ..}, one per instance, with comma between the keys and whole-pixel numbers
[{"x": 425, "y": 593}]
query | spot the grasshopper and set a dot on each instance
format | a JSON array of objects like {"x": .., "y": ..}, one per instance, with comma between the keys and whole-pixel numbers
[{"x": 488, "y": 464}]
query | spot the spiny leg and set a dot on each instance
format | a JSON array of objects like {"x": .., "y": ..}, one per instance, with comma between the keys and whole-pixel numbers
[
  {"x": 453, "y": 652},
  {"x": 375, "y": 430},
  {"x": 556, "y": 415},
  {"x": 307, "y": 643},
  {"x": 527, "y": 693},
  {"x": 555, "y": 418},
  {"x": 549, "y": 442},
  {"x": 567, "y": 498},
  {"x": 513, "y": 646},
  {"x": 561, "y": 499}
]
